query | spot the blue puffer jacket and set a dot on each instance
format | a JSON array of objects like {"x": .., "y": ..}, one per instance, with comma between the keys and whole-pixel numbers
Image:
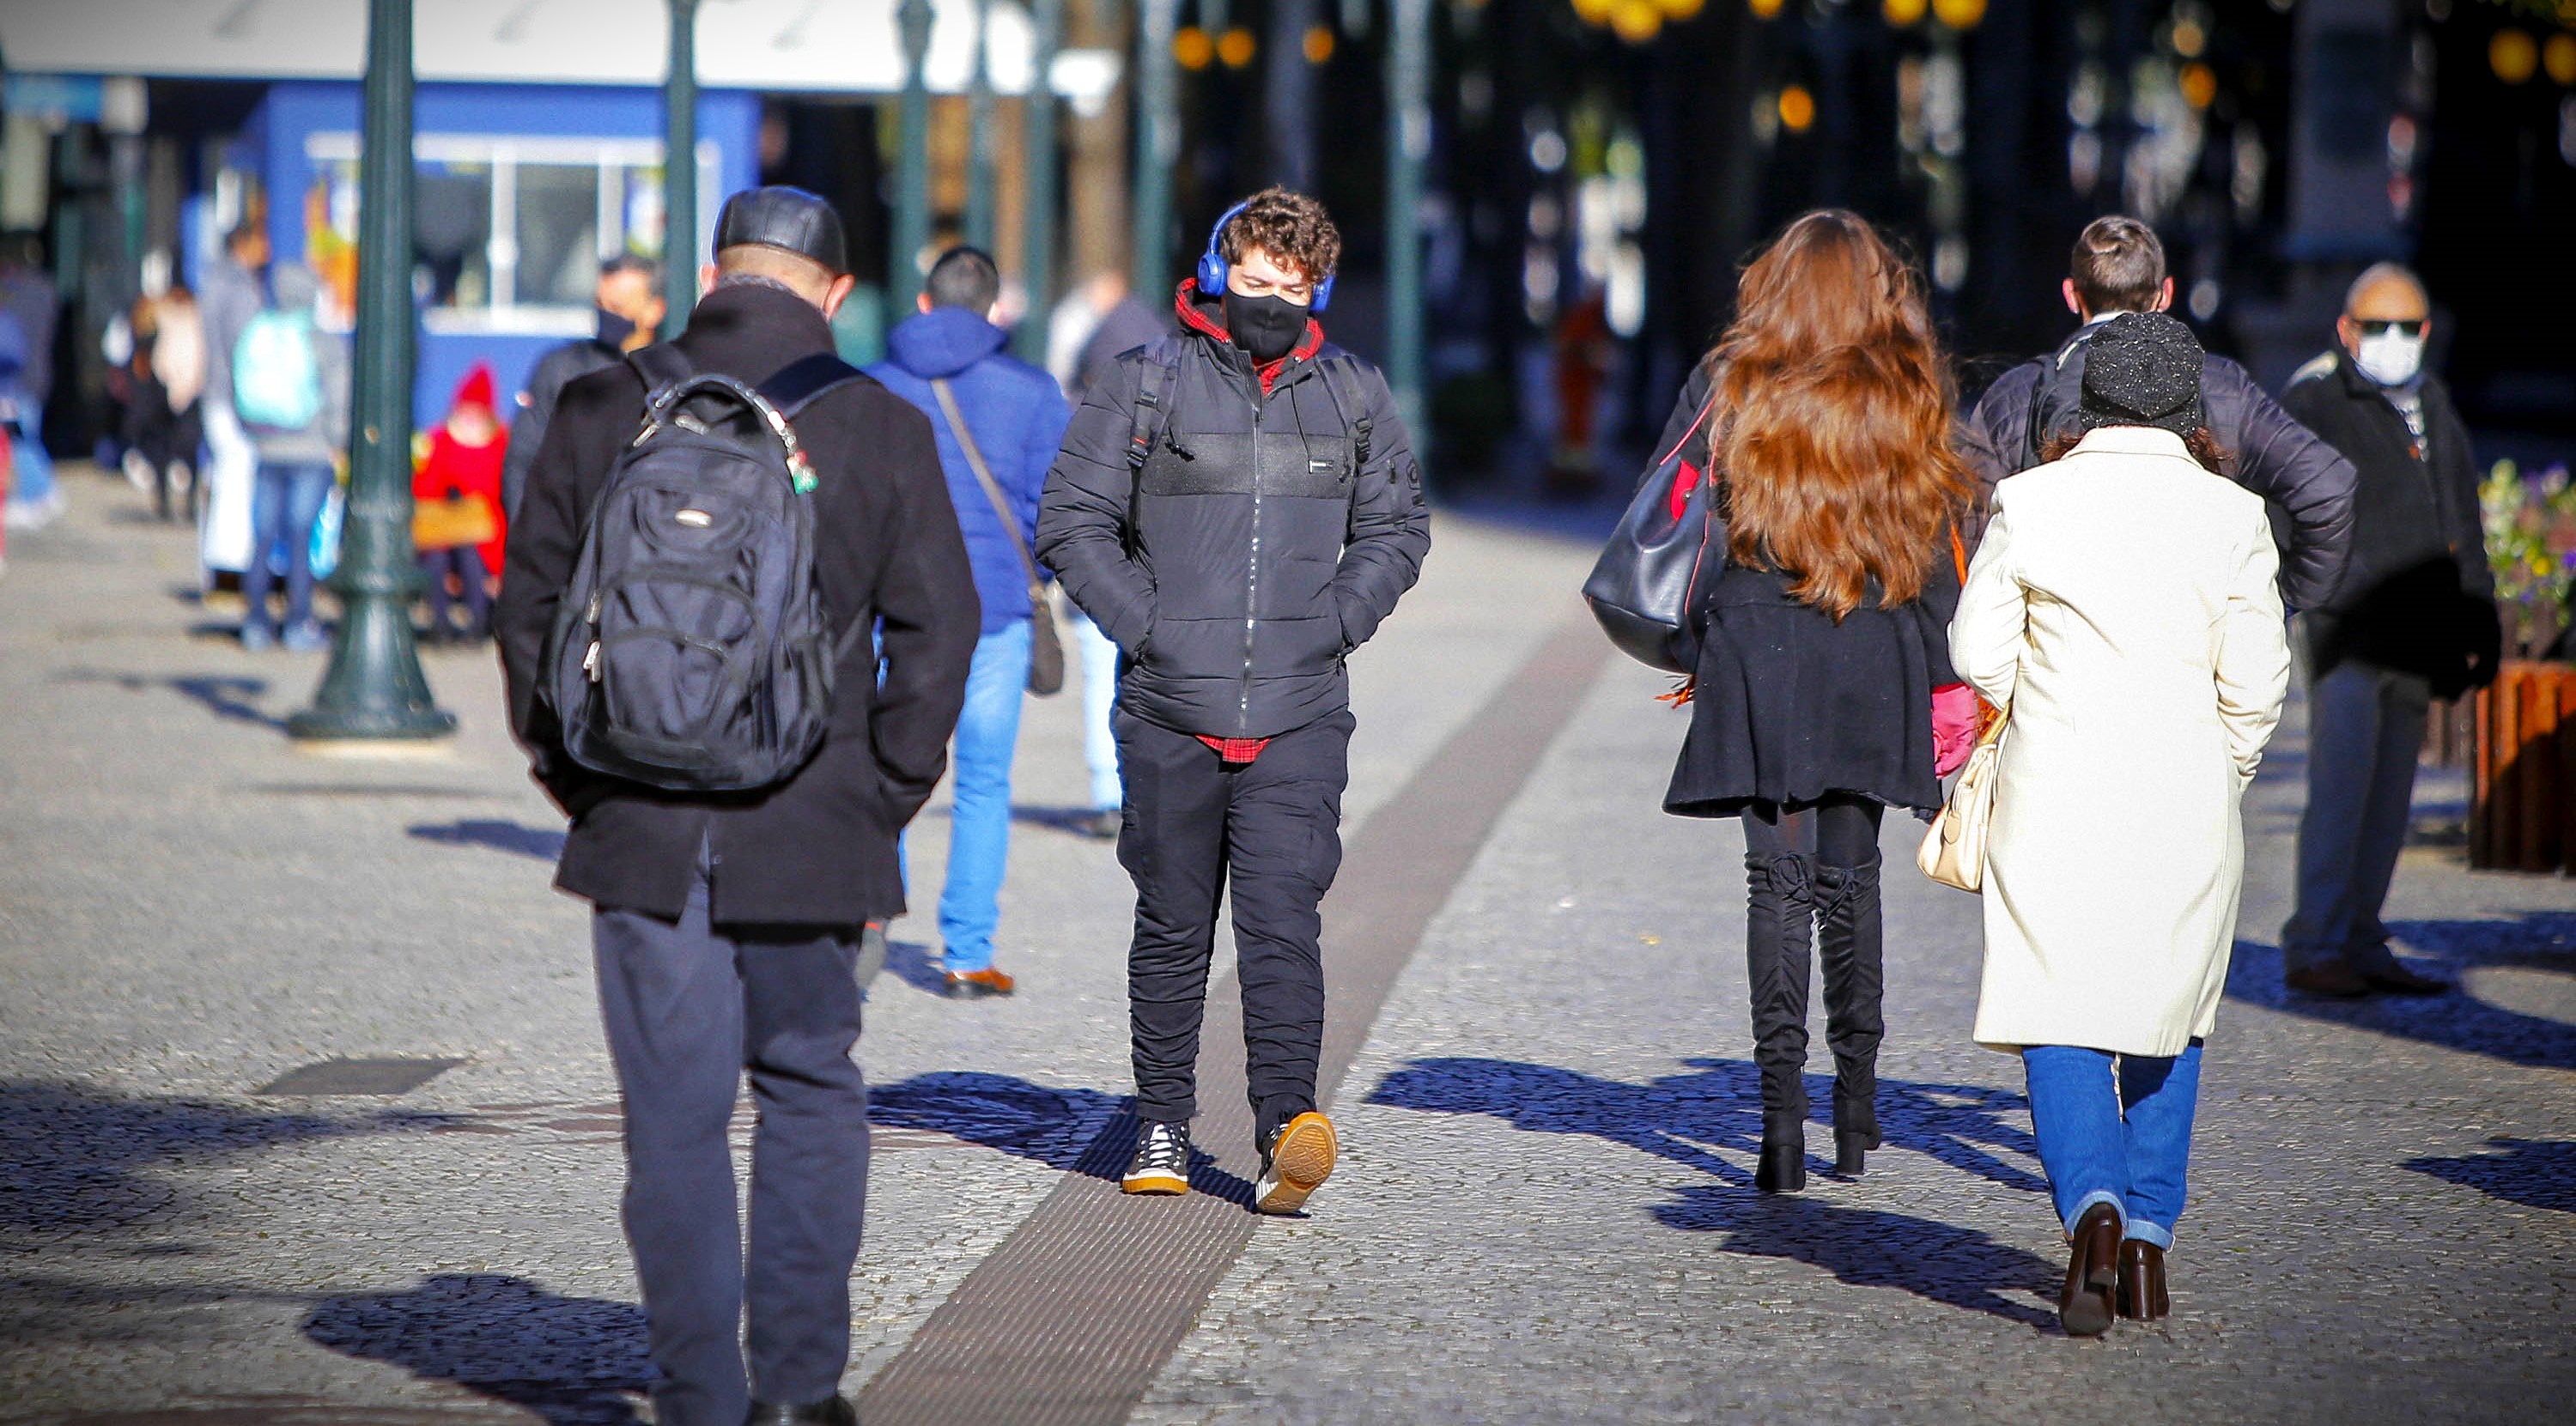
[{"x": 1018, "y": 415}]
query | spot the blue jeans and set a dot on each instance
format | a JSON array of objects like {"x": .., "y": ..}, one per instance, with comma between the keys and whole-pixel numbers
[
  {"x": 284, "y": 506},
  {"x": 979, "y": 827},
  {"x": 1099, "y": 695},
  {"x": 2117, "y": 1136},
  {"x": 31, "y": 466}
]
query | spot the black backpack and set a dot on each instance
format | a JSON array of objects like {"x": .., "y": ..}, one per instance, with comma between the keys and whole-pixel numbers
[
  {"x": 2054, "y": 400},
  {"x": 692, "y": 651}
]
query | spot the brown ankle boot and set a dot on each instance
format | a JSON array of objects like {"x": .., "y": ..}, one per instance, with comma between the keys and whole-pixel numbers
[
  {"x": 2092, "y": 1273},
  {"x": 2142, "y": 1281}
]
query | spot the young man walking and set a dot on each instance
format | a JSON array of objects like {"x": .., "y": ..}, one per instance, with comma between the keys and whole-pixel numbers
[
  {"x": 1238, "y": 507},
  {"x": 2119, "y": 266},
  {"x": 998, "y": 421},
  {"x": 725, "y": 924}
]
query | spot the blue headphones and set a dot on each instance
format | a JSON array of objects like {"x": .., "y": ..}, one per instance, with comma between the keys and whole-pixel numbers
[{"x": 1212, "y": 263}]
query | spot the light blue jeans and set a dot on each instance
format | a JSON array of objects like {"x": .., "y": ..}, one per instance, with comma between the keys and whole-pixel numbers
[
  {"x": 2115, "y": 1133},
  {"x": 1099, "y": 695},
  {"x": 284, "y": 506},
  {"x": 979, "y": 827},
  {"x": 31, "y": 466}
]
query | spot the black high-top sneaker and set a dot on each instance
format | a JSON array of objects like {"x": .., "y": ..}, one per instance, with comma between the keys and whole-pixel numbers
[
  {"x": 1295, "y": 1163},
  {"x": 1162, "y": 1162}
]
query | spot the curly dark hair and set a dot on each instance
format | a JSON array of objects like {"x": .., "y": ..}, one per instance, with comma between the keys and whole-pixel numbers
[{"x": 1288, "y": 225}]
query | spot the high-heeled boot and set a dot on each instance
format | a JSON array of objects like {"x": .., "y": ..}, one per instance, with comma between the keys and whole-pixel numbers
[
  {"x": 1849, "y": 943},
  {"x": 1780, "y": 907}
]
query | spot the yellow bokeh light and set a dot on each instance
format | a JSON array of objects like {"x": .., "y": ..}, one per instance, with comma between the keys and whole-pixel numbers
[
  {"x": 1594, "y": 12},
  {"x": 2199, "y": 84},
  {"x": 1318, "y": 45},
  {"x": 1959, "y": 14},
  {"x": 2512, "y": 55},
  {"x": 2189, "y": 39},
  {"x": 1903, "y": 12},
  {"x": 1680, "y": 9},
  {"x": 1636, "y": 21},
  {"x": 1797, "y": 108},
  {"x": 2559, "y": 58},
  {"x": 1193, "y": 48},
  {"x": 1235, "y": 47},
  {"x": 1763, "y": 9}
]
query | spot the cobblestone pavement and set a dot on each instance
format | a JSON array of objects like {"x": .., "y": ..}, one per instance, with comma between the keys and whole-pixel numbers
[{"x": 1545, "y": 1212}]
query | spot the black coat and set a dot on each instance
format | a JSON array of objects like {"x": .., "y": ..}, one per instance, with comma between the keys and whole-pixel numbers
[
  {"x": 2308, "y": 485},
  {"x": 818, "y": 849},
  {"x": 2420, "y": 596},
  {"x": 555, "y": 370},
  {"x": 1790, "y": 704},
  {"x": 1245, "y": 557}
]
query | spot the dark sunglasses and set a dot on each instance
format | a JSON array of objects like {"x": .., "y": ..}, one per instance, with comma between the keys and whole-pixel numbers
[{"x": 2414, "y": 328}]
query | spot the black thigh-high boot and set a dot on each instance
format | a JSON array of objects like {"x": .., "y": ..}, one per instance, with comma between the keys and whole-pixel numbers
[
  {"x": 1780, "y": 906},
  {"x": 1848, "y": 942}
]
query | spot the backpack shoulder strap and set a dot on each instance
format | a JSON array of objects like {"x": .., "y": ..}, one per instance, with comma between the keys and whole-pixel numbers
[
  {"x": 1153, "y": 404},
  {"x": 1342, "y": 381},
  {"x": 660, "y": 364},
  {"x": 802, "y": 382}
]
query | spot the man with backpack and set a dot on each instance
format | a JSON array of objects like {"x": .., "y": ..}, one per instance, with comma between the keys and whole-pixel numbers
[
  {"x": 998, "y": 421},
  {"x": 290, "y": 389},
  {"x": 1238, "y": 506},
  {"x": 2119, "y": 266},
  {"x": 714, "y": 534}
]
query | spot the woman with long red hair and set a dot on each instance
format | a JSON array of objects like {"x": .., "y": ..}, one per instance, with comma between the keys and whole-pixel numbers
[{"x": 1818, "y": 637}]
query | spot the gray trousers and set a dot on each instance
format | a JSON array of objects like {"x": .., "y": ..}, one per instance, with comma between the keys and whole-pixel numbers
[
  {"x": 689, "y": 1008},
  {"x": 2365, "y": 731}
]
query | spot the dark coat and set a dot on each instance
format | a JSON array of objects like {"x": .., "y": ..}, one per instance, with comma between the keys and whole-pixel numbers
[
  {"x": 1790, "y": 704},
  {"x": 1017, "y": 413},
  {"x": 1246, "y": 558},
  {"x": 818, "y": 849},
  {"x": 2420, "y": 596},
  {"x": 555, "y": 370},
  {"x": 2309, "y": 485}
]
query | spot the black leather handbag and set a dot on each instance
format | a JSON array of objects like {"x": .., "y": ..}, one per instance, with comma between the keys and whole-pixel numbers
[{"x": 1640, "y": 588}]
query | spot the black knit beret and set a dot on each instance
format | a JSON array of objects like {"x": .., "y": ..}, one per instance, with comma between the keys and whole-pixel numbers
[{"x": 2142, "y": 369}]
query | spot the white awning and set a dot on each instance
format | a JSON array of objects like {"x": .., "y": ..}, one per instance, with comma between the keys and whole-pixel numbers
[{"x": 778, "y": 46}]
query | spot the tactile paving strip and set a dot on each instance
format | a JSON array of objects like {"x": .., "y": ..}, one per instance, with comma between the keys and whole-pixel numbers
[{"x": 1068, "y": 1321}]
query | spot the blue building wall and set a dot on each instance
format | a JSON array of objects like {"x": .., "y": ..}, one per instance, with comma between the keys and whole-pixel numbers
[{"x": 294, "y": 111}]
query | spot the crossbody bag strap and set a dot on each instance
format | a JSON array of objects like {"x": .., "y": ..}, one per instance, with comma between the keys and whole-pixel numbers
[{"x": 992, "y": 488}]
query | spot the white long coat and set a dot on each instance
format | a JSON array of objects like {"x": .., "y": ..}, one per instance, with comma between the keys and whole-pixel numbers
[{"x": 2123, "y": 606}]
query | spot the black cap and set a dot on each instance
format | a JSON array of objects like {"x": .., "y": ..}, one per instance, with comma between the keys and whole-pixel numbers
[
  {"x": 2142, "y": 369},
  {"x": 782, "y": 217}
]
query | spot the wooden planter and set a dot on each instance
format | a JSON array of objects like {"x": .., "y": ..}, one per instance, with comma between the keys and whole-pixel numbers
[{"x": 2522, "y": 809}]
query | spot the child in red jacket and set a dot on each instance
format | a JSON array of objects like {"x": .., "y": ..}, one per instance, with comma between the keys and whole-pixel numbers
[{"x": 458, "y": 525}]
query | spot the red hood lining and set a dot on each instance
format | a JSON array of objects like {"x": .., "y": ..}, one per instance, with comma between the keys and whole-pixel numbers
[{"x": 1197, "y": 320}]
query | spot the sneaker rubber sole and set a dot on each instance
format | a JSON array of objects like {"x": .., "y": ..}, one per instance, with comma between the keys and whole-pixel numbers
[
  {"x": 1299, "y": 1163},
  {"x": 1157, "y": 1183}
]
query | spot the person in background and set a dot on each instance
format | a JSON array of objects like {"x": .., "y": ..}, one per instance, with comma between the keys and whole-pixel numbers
[
  {"x": 179, "y": 369},
  {"x": 2119, "y": 266},
  {"x": 30, "y": 301},
  {"x": 2125, "y": 614},
  {"x": 2416, "y": 621},
  {"x": 1093, "y": 326},
  {"x": 949, "y": 362},
  {"x": 231, "y": 298},
  {"x": 1816, "y": 641},
  {"x": 629, "y": 307},
  {"x": 290, "y": 390},
  {"x": 462, "y": 468}
]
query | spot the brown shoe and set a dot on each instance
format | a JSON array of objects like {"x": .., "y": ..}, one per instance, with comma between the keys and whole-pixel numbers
[
  {"x": 2330, "y": 980},
  {"x": 976, "y": 984},
  {"x": 2396, "y": 979},
  {"x": 2142, "y": 1281},
  {"x": 2092, "y": 1273}
]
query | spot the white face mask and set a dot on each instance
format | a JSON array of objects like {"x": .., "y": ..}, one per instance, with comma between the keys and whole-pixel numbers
[{"x": 2390, "y": 358}]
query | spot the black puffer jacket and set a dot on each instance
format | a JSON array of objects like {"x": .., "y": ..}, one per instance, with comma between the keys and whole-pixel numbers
[
  {"x": 1243, "y": 557},
  {"x": 2268, "y": 452}
]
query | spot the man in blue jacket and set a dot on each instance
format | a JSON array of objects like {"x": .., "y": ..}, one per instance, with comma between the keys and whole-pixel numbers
[{"x": 1015, "y": 416}]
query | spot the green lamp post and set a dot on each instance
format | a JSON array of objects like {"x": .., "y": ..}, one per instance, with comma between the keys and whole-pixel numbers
[
  {"x": 374, "y": 690},
  {"x": 680, "y": 171},
  {"x": 979, "y": 134},
  {"x": 1038, "y": 220},
  {"x": 1408, "y": 148},
  {"x": 1158, "y": 142},
  {"x": 912, "y": 182}
]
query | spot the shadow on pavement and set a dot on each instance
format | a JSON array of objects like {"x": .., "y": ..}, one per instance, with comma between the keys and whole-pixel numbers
[
  {"x": 1941, "y": 1262},
  {"x": 915, "y": 965},
  {"x": 1685, "y": 1117},
  {"x": 1073, "y": 820},
  {"x": 2535, "y": 1173},
  {"x": 545, "y": 844},
  {"x": 573, "y": 1361},
  {"x": 2543, "y": 940},
  {"x": 1082, "y": 1131},
  {"x": 227, "y": 696}
]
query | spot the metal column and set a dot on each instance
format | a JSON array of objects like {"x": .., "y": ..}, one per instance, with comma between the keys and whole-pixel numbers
[
  {"x": 374, "y": 688},
  {"x": 912, "y": 183},
  {"x": 979, "y": 134},
  {"x": 1408, "y": 149},
  {"x": 1038, "y": 216},
  {"x": 680, "y": 170},
  {"x": 1158, "y": 144}
]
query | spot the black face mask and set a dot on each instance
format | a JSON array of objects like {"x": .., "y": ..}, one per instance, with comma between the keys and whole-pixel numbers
[
  {"x": 614, "y": 329},
  {"x": 1267, "y": 328}
]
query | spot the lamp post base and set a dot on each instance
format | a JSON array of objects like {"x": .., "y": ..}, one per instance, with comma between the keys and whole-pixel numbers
[{"x": 374, "y": 690}]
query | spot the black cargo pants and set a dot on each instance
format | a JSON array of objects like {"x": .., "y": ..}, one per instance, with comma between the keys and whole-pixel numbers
[{"x": 1271, "y": 830}]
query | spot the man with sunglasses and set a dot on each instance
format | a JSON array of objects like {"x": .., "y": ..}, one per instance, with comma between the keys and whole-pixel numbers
[
  {"x": 2415, "y": 621},
  {"x": 2119, "y": 266}
]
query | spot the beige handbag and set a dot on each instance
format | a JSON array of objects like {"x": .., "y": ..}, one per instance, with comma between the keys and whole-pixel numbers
[{"x": 1954, "y": 851}]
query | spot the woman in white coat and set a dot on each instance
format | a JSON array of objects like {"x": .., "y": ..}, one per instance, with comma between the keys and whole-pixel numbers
[{"x": 2123, "y": 609}]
